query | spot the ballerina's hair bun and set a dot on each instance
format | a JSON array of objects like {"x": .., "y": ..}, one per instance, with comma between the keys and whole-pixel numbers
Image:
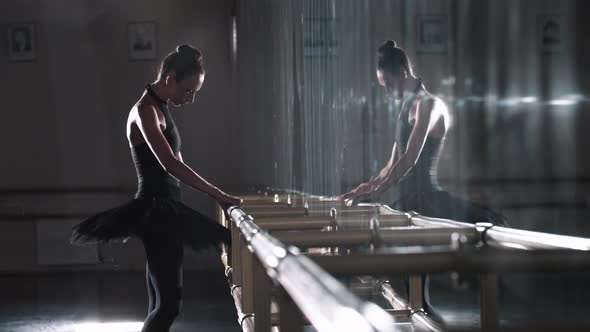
[
  {"x": 392, "y": 58},
  {"x": 185, "y": 61},
  {"x": 190, "y": 52},
  {"x": 391, "y": 43}
]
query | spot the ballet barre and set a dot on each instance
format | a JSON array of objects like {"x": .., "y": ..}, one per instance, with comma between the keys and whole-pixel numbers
[
  {"x": 327, "y": 304},
  {"x": 346, "y": 218},
  {"x": 384, "y": 236}
]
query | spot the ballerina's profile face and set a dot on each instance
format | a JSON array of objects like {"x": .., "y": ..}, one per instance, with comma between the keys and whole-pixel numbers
[
  {"x": 393, "y": 84},
  {"x": 183, "y": 92}
]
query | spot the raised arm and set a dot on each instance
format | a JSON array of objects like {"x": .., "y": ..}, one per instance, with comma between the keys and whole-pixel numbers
[{"x": 147, "y": 121}]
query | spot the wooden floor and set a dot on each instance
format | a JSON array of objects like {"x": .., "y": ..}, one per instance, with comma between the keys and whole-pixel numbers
[
  {"x": 114, "y": 302},
  {"x": 89, "y": 302}
]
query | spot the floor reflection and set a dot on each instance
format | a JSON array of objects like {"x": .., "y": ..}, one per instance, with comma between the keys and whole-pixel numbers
[{"x": 115, "y": 302}]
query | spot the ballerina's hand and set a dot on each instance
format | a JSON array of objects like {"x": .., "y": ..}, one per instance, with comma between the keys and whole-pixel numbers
[
  {"x": 342, "y": 197},
  {"x": 360, "y": 197},
  {"x": 362, "y": 189},
  {"x": 233, "y": 200},
  {"x": 348, "y": 198},
  {"x": 227, "y": 201}
]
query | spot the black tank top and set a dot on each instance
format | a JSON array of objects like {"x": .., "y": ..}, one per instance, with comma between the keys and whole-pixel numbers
[
  {"x": 152, "y": 179},
  {"x": 423, "y": 176}
]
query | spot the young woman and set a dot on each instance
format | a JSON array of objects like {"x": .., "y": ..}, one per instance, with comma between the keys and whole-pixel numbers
[
  {"x": 421, "y": 127},
  {"x": 422, "y": 124},
  {"x": 156, "y": 215}
]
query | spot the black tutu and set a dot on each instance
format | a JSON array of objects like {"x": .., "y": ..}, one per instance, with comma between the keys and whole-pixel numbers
[
  {"x": 441, "y": 204},
  {"x": 163, "y": 216}
]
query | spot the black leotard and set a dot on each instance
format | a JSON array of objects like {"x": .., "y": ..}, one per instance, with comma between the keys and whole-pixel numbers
[
  {"x": 419, "y": 189},
  {"x": 152, "y": 179},
  {"x": 156, "y": 209}
]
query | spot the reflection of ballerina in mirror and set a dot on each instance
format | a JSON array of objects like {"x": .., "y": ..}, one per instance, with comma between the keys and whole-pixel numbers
[
  {"x": 421, "y": 128},
  {"x": 412, "y": 171}
]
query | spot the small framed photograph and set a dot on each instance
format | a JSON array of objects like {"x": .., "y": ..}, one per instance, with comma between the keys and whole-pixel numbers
[
  {"x": 432, "y": 33},
  {"x": 141, "y": 38},
  {"x": 21, "y": 42},
  {"x": 551, "y": 33},
  {"x": 319, "y": 37}
]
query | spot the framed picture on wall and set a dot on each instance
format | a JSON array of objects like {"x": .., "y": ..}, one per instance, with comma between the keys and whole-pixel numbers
[
  {"x": 21, "y": 42},
  {"x": 141, "y": 38},
  {"x": 551, "y": 33},
  {"x": 432, "y": 34},
  {"x": 320, "y": 38}
]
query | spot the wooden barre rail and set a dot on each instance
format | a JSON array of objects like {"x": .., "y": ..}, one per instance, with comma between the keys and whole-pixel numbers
[
  {"x": 399, "y": 236},
  {"x": 336, "y": 226},
  {"x": 319, "y": 296}
]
